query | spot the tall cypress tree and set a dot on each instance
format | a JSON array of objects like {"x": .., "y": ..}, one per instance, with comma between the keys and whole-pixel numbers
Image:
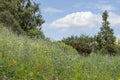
[{"x": 105, "y": 38}]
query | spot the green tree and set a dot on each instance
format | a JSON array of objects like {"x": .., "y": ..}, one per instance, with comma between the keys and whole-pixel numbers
[
  {"x": 11, "y": 22},
  {"x": 25, "y": 12},
  {"x": 105, "y": 38}
]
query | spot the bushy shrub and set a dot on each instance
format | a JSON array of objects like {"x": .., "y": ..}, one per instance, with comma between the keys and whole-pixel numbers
[
  {"x": 83, "y": 44},
  {"x": 35, "y": 33},
  {"x": 84, "y": 50},
  {"x": 66, "y": 47}
]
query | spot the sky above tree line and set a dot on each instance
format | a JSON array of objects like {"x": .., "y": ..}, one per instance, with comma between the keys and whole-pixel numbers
[{"x": 64, "y": 18}]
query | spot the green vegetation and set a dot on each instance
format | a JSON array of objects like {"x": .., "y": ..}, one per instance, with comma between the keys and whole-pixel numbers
[
  {"x": 33, "y": 57},
  {"x": 83, "y": 44},
  {"x": 22, "y": 58},
  {"x": 103, "y": 43},
  {"x": 21, "y": 15},
  {"x": 26, "y": 59},
  {"x": 105, "y": 38},
  {"x": 36, "y": 33}
]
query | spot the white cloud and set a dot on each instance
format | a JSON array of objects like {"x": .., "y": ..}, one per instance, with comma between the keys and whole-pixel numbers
[
  {"x": 52, "y": 10},
  {"x": 78, "y": 23},
  {"x": 114, "y": 19},
  {"x": 85, "y": 20},
  {"x": 78, "y": 19}
]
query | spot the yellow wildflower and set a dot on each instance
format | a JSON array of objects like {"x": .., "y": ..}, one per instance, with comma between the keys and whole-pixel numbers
[
  {"x": 42, "y": 47},
  {"x": 14, "y": 61},
  {"x": 46, "y": 57},
  {"x": 118, "y": 78}
]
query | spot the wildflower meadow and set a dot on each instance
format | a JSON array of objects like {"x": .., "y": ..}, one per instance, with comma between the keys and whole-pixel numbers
[{"x": 22, "y": 58}]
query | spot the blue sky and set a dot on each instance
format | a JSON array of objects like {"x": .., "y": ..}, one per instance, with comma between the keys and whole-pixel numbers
[{"x": 64, "y": 18}]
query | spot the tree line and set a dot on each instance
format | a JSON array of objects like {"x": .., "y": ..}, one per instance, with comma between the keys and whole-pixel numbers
[
  {"x": 24, "y": 17},
  {"x": 104, "y": 42}
]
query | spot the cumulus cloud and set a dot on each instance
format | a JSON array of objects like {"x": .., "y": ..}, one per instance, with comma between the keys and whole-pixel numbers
[
  {"x": 52, "y": 10},
  {"x": 114, "y": 19},
  {"x": 85, "y": 20},
  {"x": 79, "y": 23},
  {"x": 78, "y": 19}
]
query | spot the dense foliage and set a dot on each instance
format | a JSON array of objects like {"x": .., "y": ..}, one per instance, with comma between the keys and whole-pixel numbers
[
  {"x": 25, "y": 15},
  {"x": 83, "y": 44},
  {"x": 35, "y": 33},
  {"x": 11, "y": 22},
  {"x": 105, "y": 38}
]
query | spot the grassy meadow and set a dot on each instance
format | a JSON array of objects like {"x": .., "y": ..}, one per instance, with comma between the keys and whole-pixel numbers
[{"x": 22, "y": 58}]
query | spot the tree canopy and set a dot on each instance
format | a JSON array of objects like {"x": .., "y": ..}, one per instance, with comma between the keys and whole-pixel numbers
[{"x": 25, "y": 13}]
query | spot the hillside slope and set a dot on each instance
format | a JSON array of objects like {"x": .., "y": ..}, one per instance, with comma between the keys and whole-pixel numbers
[
  {"x": 23, "y": 58},
  {"x": 30, "y": 59}
]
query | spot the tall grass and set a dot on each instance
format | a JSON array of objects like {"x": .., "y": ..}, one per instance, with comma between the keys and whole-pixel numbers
[{"x": 30, "y": 59}]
